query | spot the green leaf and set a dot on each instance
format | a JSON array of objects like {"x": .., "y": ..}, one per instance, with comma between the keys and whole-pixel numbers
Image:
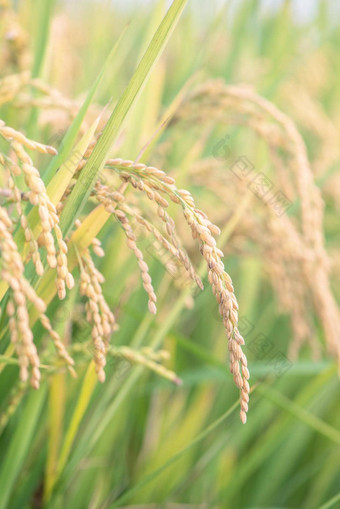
[
  {"x": 301, "y": 414},
  {"x": 102, "y": 150},
  {"x": 19, "y": 445},
  {"x": 44, "y": 11},
  {"x": 331, "y": 503}
]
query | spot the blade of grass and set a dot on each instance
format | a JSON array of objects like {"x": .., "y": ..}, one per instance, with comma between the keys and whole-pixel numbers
[
  {"x": 301, "y": 414},
  {"x": 102, "y": 149},
  {"x": 20, "y": 444},
  {"x": 56, "y": 406},
  {"x": 331, "y": 502},
  {"x": 89, "y": 383},
  {"x": 62, "y": 178},
  {"x": 149, "y": 103},
  {"x": 44, "y": 10}
]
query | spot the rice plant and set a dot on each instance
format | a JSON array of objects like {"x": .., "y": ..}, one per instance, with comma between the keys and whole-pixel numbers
[{"x": 140, "y": 168}]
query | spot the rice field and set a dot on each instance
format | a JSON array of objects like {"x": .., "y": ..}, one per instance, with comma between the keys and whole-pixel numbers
[{"x": 170, "y": 254}]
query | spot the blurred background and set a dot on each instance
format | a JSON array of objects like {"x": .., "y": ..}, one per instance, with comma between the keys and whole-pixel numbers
[{"x": 137, "y": 440}]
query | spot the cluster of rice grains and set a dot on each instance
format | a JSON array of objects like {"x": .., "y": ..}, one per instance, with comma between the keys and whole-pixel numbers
[
  {"x": 97, "y": 310},
  {"x": 291, "y": 244},
  {"x": 158, "y": 187},
  {"x": 295, "y": 254},
  {"x": 22, "y": 296},
  {"x": 25, "y": 92}
]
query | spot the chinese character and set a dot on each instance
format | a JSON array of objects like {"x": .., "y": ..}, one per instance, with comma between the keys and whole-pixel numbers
[
  {"x": 280, "y": 203},
  {"x": 245, "y": 326},
  {"x": 122, "y": 367},
  {"x": 221, "y": 151},
  {"x": 261, "y": 185},
  {"x": 260, "y": 346},
  {"x": 280, "y": 364},
  {"x": 242, "y": 167}
]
